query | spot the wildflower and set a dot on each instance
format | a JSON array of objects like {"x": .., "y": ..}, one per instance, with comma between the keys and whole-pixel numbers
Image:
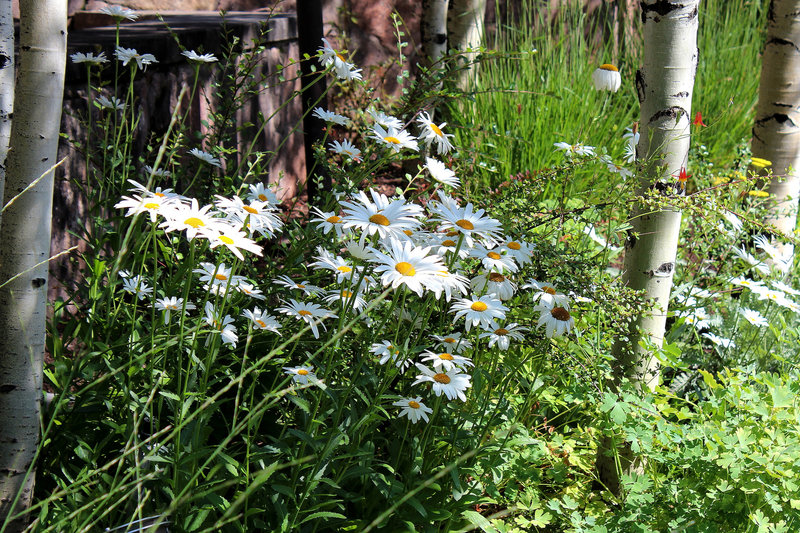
[
  {"x": 360, "y": 250},
  {"x": 80, "y": 57},
  {"x": 346, "y": 148},
  {"x": 578, "y": 149},
  {"x": 394, "y": 138},
  {"x": 409, "y": 265},
  {"x": 414, "y": 409},
  {"x": 754, "y": 317},
  {"x": 190, "y": 218},
  {"x": 483, "y": 310},
  {"x": 262, "y": 320},
  {"x": 119, "y": 12},
  {"x": 452, "y": 284},
  {"x": 387, "y": 121},
  {"x": 382, "y": 216},
  {"x": 683, "y": 177},
  {"x": 153, "y": 205},
  {"x": 759, "y": 162},
  {"x": 306, "y": 287},
  {"x": 302, "y": 375},
  {"x": 555, "y": 317},
  {"x": 136, "y": 285},
  {"x": 330, "y": 116},
  {"x": 191, "y": 55},
  {"x": 331, "y": 58},
  {"x": 445, "y": 244},
  {"x": 441, "y": 173},
  {"x": 446, "y": 360},
  {"x": 749, "y": 283},
  {"x": 619, "y": 169},
  {"x": 258, "y": 213},
  {"x": 453, "y": 343},
  {"x": 312, "y": 314},
  {"x": 222, "y": 325},
  {"x": 452, "y": 383},
  {"x": 492, "y": 260},
  {"x": 633, "y": 139},
  {"x": 502, "y": 335},
  {"x": 263, "y": 194},
  {"x": 388, "y": 352},
  {"x": 342, "y": 269},
  {"x": 781, "y": 286},
  {"x": 607, "y": 78},
  {"x": 748, "y": 258},
  {"x": 770, "y": 295},
  {"x": 250, "y": 290},
  {"x": 158, "y": 172},
  {"x": 205, "y": 157},
  {"x": 111, "y": 103},
  {"x": 234, "y": 240},
  {"x": 546, "y": 293},
  {"x": 466, "y": 221},
  {"x": 699, "y": 318},
  {"x": 127, "y": 54},
  {"x": 432, "y": 133},
  {"x": 346, "y": 297},
  {"x": 720, "y": 341},
  {"x": 759, "y": 194},
  {"x": 217, "y": 274},
  {"x": 698, "y": 119},
  {"x": 519, "y": 250},
  {"x": 327, "y": 221},
  {"x": 172, "y": 304},
  {"x": 494, "y": 283}
]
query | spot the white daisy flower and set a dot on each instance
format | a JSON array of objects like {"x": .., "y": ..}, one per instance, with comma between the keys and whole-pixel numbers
[
  {"x": 754, "y": 317},
  {"x": 494, "y": 283},
  {"x": 521, "y": 251},
  {"x": 191, "y": 55},
  {"x": 382, "y": 216},
  {"x": 699, "y": 318},
  {"x": 310, "y": 313},
  {"x": 555, "y": 318},
  {"x": 414, "y": 409},
  {"x": 346, "y": 148},
  {"x": 119, "y": 12},
  {"x": 205, "y": 157},
  {"x": 446, "y": 361},
  {"x": 127, "y": 55},
  {"x": 619, "y": 169},
  {"x": 152, "y": 205},
  {"x": 441, "y": 173},
  {"x": 720, "y": 341},
  {"x": 345, "y": 298},
  {"x": 448, "y": 243},
  {"x": 453, "y": 343},
  {"x": 302, "y": 375},
  {"x": 545, "y": 292},
  {"x": 327, "y": 221},
  {"x": 432, "y": 133},
  {"x": 172, "y": 304},
  {"x": 452, "y": 285},
  {"x": 136, "y": 285},
  {"x": 452, "y": 383},
  {"x": 113, "y": 103},
  {"x": 157, "y": 172},
  {"x": 306, "y": 287},
  {"x": 387, "y": 351},
  {"x": 631, "y": 143},
  {"x": 481, "y": 311},
  {"x": 468, "y": 222},
  {"x": 250, "y": 290},
  {"x": 190, "y": 218},
  {"x": 748, "y": 258},
  {"x": 212, "y": 274},
  {"x": 234, "y": 240},
  {"x": 387, "y": 121},
  {"x": 394, "y": 138},
  {"x": 753, "y": 285},
  {"x": 262, "y": 193},
  {"x": 259, "y": 214},
  {"x": 262, "y": 320},
  {"x": 781, "y": 286},
  {"x": 607, "y": 78},
  {"x": 330, "y": 116},
  {"x": 406, "y": 264},
  {"x": 222, "y": 325},
  {"x": 80, "y": 57},
  {"x": 502, "y": 336},
  {"x": 577, "y": 149},
  {"x": 492, "y": 260},
  {"x": 331, "y": 58}
]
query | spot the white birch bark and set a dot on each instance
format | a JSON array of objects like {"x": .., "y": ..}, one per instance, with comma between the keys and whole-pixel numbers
[
  {"x": 776, "y": 131},
  {"x": 433, "y": 28},
  {"x": 6, "y": 87},
  {"x": 664, "y": 85},
  {"x": 25, "y": 234},
  {"x": 465, "y": 31}
]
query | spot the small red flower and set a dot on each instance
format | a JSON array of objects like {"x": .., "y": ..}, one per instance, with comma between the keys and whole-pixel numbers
[
  {"x": 683, "y": 177},
  {"x": 698, "y": 119}
]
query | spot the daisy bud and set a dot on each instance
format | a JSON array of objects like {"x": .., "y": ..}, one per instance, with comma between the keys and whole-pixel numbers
[{"x": 606, "y": 78}]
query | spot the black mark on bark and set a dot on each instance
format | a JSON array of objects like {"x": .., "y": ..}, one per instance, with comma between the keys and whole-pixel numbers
[
  {"x": 7, "y": 388},
  {"x": 38, "y": 282},
  {"x": 673, "y": 112}
]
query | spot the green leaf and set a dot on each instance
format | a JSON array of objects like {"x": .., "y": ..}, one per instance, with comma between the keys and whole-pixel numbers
[
  {"x": 781, "y": 397},
  {"x": 477, "y": 519},
  {"x": 322, "y": 514},
  {"x": 618, "y": 414}
]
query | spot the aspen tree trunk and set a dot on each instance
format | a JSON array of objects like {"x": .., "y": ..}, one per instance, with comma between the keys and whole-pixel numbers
[
  {"x": 25, "y": 238},
  {"x": 776, "y": 132},
  {"x": 434, "y": 31},
  {"x": 664, "y": 85},
  {"x": 465, "y": 30},
  {"x": 6, "y": 88}
]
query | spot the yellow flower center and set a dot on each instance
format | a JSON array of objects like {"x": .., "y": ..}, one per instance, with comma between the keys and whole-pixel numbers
[
  {"x": 344, "y": 269},
  {"x": 436, "y": 130},
  {"x": 261, "y": 323},
  {"x": 479, "y": 306},
  {"x": 393, "y": 140},
  {"x": 221, "y": 277},
  {"x": 159, "y": 194},
  {"x": 442, "y": 378},
  {"x": 334, "y": 219},
  {"x": 493, "y": 255},
  {"x": 559, "y": 313},
  {"x": 465, "y": 224},
  {"x": 340, "y": 56},
  {"x": 446, "y": 356},
  {"x": 514, "y": 245},
  {"x": 226, "y": 239},
  {"x": 405, "y": 268},
  {"x": 449, "y": 243},
  {"x": 497, "y": 278},
  {"x": 549, "y": 290},
  {"x": 194, "y": 222},
  {"x": 377, "y": 218},
  {"x": 262, "y": 197},
  {"x": 300, "y": 286},
  {"x": 250, "y": 210},
  {"x": 346, "y": 294},
  {"x": 412, "y": 404},
  {"x": 303, "y": 312},
  {"x": 151, "y": 205},
  {"x": 608, "y": 66},
  {"x": 408, "y": 232},
  {"x": 450, "y": 340},
  {"x": 302, "y": 372},
  {"x": 501, "y": 331}
]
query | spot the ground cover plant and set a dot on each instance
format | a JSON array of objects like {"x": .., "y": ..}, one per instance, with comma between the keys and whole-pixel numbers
[{"x": 430, "y": 356}]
